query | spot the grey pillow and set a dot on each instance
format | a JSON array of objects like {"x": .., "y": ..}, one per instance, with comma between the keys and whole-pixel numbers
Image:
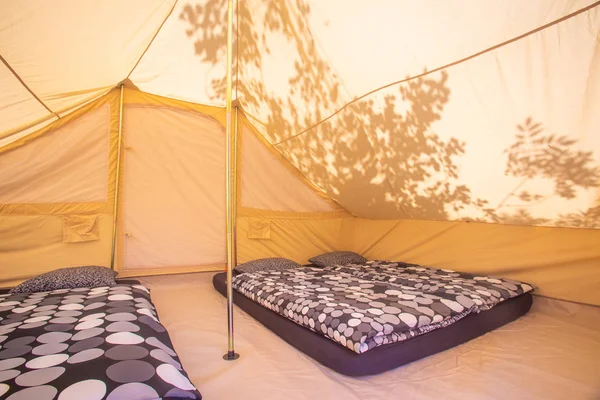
[
  {"x": 267, "y": 264},
  {"x": 68, "y": 278},
  {"x": 337, "y": 258}
]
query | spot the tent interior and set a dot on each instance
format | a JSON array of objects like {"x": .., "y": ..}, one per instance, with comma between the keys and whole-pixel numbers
[{"x": 462, "y": 135}]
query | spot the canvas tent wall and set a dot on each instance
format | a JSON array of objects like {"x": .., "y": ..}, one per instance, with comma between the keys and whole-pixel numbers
[{"x": 489, "y": 163}]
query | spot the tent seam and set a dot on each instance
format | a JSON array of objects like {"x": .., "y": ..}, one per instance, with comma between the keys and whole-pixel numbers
[
  {"x": 581, "y": 303},
  {"x": 16, "y": 75},
  {"x": 152, "y": 40},
  {"x": 452, "y": 64},
  {"x": 385, "y": 235},
  {"x": 66, "y": 111},
  {"x": 291, "y": 167}
]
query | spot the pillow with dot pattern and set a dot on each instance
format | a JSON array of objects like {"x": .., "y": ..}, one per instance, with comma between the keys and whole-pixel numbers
[
  {"x": 68, "y": 278},
  {"x": 267, "y": 264},
  {"x": 337, "y": 258}
]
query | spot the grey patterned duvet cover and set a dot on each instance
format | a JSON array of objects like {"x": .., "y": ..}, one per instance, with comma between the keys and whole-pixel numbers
[
  {"x": 88, "y": 343},
  {"x": 365, "y": 306}
]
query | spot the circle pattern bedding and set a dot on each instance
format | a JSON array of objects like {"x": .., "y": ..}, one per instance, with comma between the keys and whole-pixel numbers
[{"x": 87, "y": 343}]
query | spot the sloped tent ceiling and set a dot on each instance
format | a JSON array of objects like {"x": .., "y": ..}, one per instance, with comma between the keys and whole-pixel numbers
[
  {"x": 508, "y": 136},
  {"x": 57, "y": 56}
]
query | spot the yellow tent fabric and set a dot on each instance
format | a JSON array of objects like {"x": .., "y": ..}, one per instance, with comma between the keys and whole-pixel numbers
[{"x": 390, "y": 129}]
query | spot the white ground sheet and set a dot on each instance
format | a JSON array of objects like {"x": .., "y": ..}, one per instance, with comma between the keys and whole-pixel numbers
[{"x": 553, "y": 352}]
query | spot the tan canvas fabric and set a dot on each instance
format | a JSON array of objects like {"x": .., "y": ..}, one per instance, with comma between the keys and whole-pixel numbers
[
  {"x": 22, "y": 232},
  {"x": 290, "y": 235},
  {"x": 80, "y": 228},
  {"x": 18, "y": 106},
  {"x": 59, "y": 184},
  {"x": 33, "y": 245},
  {"x": 268, "y": 184},
  {"x": 65, "y": 54},
  {"x": 68, "y": 165},
  {"x": 508, "y": 136},
  {"x": 174, "y": 189},
  {"x": 184, "y": 59}
]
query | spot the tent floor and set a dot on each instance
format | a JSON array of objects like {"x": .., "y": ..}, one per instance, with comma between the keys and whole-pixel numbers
[{"x": 549, "y": 353}]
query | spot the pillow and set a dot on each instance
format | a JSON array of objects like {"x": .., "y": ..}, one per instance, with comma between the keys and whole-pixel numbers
[
  {"x": 68, "y": 278},
  {"x": 337, "y": 258},
  {"x": 267, "y": 264}
]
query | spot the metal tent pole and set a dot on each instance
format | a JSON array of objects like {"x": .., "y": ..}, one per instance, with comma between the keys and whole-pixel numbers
[
  {"x": 230, "y": 157},
  {"x": 116, "y": 204},
  {"x": 234, "y": 183}
]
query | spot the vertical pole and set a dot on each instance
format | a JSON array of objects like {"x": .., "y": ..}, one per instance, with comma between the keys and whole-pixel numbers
[
  {"x": 116, "y": 204},
  {"x": 231, "y": 355},
  {"x": 235, "y": 187}
]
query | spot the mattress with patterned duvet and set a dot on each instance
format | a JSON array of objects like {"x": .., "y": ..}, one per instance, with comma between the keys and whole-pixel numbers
[
  {"x": 363, "y": 306},
  {"x": 88, "y": 343}
]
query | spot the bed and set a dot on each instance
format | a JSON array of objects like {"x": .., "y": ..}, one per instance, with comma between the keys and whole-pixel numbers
[
  {"x": 364, "y": 319},
  {"x": 88, "y": 343}
]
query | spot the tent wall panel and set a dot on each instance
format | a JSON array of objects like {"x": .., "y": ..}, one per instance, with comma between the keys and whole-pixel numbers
[
  {"x": 68, "y": 165},
  {"x": 268, "y": 184},
  {"x": 20, "y": 233},
  {"x": 78, "y": 118},
  {"x": 174, "y": 189},
  {"x": 280, "y": 212},
  {"x": 561, "y": 263},
  {"x": 57, "y": 192},
  {"x": 295, "y": 237},
  {"x": 31, "y": 245},
  {"x": 136, "y": 98}
]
